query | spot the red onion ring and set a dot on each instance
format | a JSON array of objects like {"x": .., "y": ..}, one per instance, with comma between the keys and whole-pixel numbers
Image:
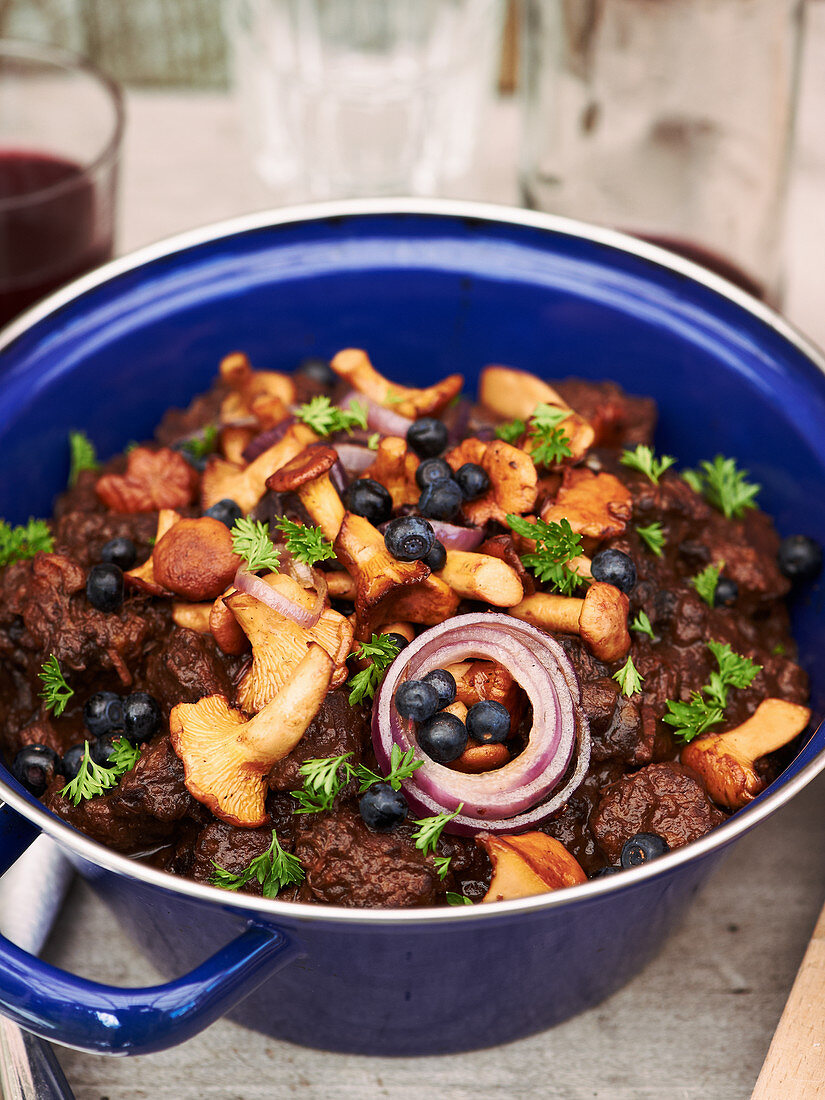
[
  {"x": 259, "y": 590},
  {"x": 456, "y": 538},
  {"x": 511, "y": 798},
  {"x": 380, "y": 419}
]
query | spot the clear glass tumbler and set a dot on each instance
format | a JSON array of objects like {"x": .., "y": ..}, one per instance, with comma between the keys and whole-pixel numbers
[
  {"x": 357, "y": 97},
  {"x": 61, "y": 124},
  {"x": 670, "y": 119}
]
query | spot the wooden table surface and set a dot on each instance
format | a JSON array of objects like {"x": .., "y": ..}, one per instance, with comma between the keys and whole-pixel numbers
[{"x": 698, "y": 1021}]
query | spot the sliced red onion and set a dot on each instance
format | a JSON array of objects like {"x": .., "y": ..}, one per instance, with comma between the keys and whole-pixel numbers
[
  {"x": 380, "y": 419},
  {"x": 514, "y": 797},
  {"x": 264, "y": 440},
  {"x": 259, "y": 590},
  {"x": 354, "y": 458},
  {"x": 338, "y": 477},
  {"x": 456, "y": 538}
]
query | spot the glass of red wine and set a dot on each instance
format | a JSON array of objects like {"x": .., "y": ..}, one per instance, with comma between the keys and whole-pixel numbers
[{"x": 61, "y": 124}]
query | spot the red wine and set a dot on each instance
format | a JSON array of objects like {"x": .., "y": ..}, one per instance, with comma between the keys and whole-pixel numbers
[{"x": 55, "y": 224}]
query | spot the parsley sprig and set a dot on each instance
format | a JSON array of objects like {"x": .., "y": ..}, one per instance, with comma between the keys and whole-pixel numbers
[
  {"x": 402, "y": 765},
  {"x": 628, "y": 679},
  {"x": 556, "y": 544},
  {"x": 724, "y": 486},
  {"x": 306, "y": 544},
  {"x": 705, "y": 582},
  {"x": 18, "y": 543},
  {"x": 381, "y": 651},
  {"x": 274, "y": 870},
  {"x": 56, "y": 692},
  {"x": 93, "y": 779},
  {"x": 706, "y": 707},
  {"x": 511, "y": 431},
  {"x": 429, "y": 830},
  {"x": 644, "y": 460},
  {"x": 548, "y": 444},
  {"x": 442, "y": 865},
  {"x": 325, "y": 418},
  {"x": 641, "y": 624},
  {"x": 251, "y": 541},
  {"x": 82, "y": 456},
  {"x": 653, "y": 536},
  {"x": 324, "y": 779},
  {"x": 201, "y": 445},
  {"x": 458, "y": 899}
]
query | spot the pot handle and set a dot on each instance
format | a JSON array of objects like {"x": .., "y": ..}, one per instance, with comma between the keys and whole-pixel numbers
[{"x": 104, "y": 1019}]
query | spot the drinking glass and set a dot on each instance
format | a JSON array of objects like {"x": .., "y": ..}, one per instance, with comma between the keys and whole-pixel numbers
[
  {"x": 61, "y": 123},
  {"x": 356, "y": 97},
  {"x": 671, "y": 119}
]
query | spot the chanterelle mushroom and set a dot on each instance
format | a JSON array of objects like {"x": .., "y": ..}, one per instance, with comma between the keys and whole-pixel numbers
[
  {"x": 726, "y": 761},
  {"x": 354, "y": 365},
  {"x": 482, "y": 577},
  {"x": 143, "y": 576},
  {"x": 394, "y": 467},
  {"x": 600, "y": 619},
  {"x": 279, "y": 643},
  {"x": 246, "y": 485},
  {"x": 513, "y": 480},
  {"x": 226, "y": 757},
  {"x": 307, "y": 474},
  {"x": 528, "y": 864},
  {"x": 596, "y": 506}
]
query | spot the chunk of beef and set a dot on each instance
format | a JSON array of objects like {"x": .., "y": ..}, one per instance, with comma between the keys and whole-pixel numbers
[
  {"x": 347, "y": 864},
  {"x": 81, "y": 535},
  {"x": 618, "y": 419},
  {"x": 666, "y": 799},
  {"x": 231, "y": 848},
  {"x": 337, "y": 728},
  {"x": 189, "y": 666},
  {"x": 141, "y": 812}
]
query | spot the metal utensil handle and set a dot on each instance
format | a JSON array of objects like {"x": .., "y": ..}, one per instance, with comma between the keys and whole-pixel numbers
[{"x": 103, "y": 1019}]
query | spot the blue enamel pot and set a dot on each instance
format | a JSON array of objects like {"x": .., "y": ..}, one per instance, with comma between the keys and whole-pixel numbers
[{"x": 428, "y": 288}]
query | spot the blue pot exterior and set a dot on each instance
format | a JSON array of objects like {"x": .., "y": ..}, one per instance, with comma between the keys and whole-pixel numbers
[{"x": 426, "y": 293}]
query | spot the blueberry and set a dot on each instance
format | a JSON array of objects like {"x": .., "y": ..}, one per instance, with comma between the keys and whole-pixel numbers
[
  {"x": 104, "y": 586},
  {"x": 799, "y": 558},
  {"x": 443, "y": 738},
  {"x": 34, "y": 767},
  {"x": 441, "y": 500},
  {"x": 227, "y": 511},
  {"x": 416, "y": 700},
  {"x": 120, "y": 552},
  {"x": 369, "y": 499},
  {"x": 473, "y": 480},
  {"x": 101, "y": 749},
  {"x": 444, "y": 683},
  {"x": 103, "y": 712},
  {"x": 141, "y": 717},
  {"x": 409, "y": 538},
  {"x": 643, "y": 847},
  {"x": 399, "y": 640},
  {"x": 318, "y": 370},
  {"x": 605, "y": 871},
  {"x": 427, "y": 437},
  {"x": 432, "y": 469},
  {"x": 437, "y": 557},
  {"x": 614, "y": 567},
  {"x": 727, "y": 592},
  {"x": 488, "y": 722},
  {"x": 72, "y": 759},
  {"x": 382, "y": 808}
]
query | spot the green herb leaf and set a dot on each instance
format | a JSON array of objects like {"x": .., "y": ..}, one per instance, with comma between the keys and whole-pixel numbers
[
  {"x": 726, "y": 488},
  {"x": 511, "y": 431},
  {"x": 402, "y": 765},
  {"x": 82, "y": 455},
  {"x": 643, "y": 460},
  {"x": 556, "y": 544},
  {"x": 90, "y": 781},
  {"x": 705, "y": 582},
  {"x": 325, "y": 418},
  {"x": 654, "y": 536},
  {"x": 274, "y": 870},
  {"x": 642, "y": 624},
  {"x": 19, "y": 543},
  {"x": 373, "y": 441},
  {"x": 381, "y": 651},
  {"x": 199, "y": 446},
  {"x": 628, "y": 679},
  {"x": 707, "y": 707},
  {"x": 694, "y": 480},
  {"x": 778, "y": 650},
  {"x": 429, "y": 830},
  {"x": 56, "y": 691},
  {"x": 457, "y": 899},
  {"x": 324, "y": 779},
  {"x": 123, "y": 757},
  {"x": 251, "y": 541},
  {"x": 548, "y": 443},
  {"x": 693, "y": 718},
  {"x": 306, "y": 544},
  {"x": 442, "y": 866}
]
